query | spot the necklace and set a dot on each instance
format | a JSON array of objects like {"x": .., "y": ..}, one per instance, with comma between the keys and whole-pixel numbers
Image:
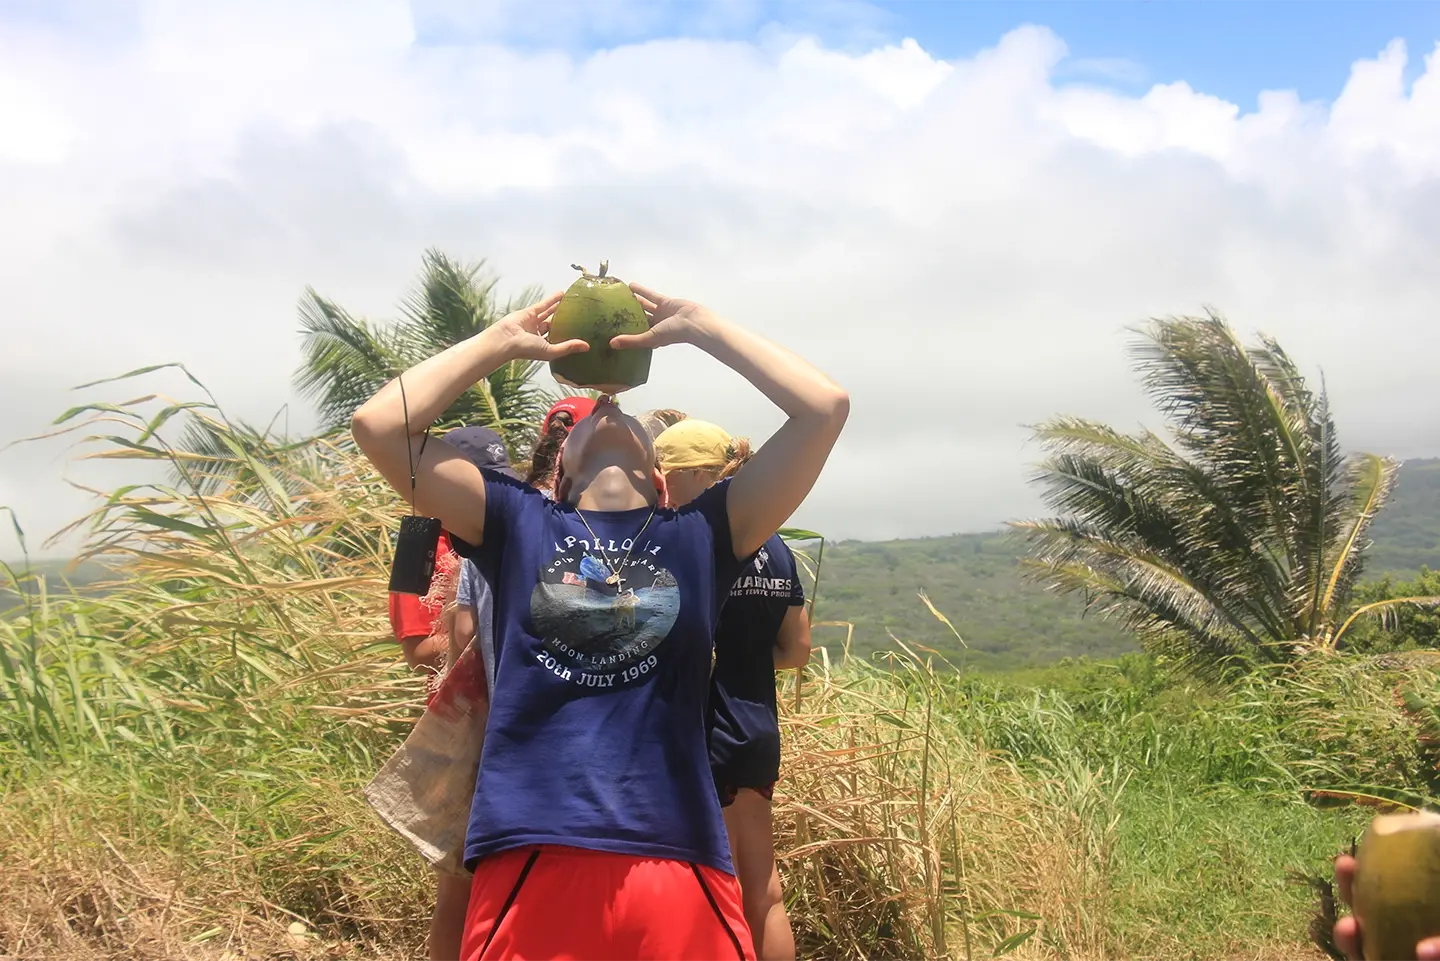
[{"x": 615, "y": 580}]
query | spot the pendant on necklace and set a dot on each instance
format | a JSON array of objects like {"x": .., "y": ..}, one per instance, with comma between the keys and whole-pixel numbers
[{"x": 613, "y": 580}]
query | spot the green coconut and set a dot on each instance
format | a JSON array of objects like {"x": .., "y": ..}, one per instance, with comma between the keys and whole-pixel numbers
[
  {"x": 595, "y": 309},
  {"x": 1396, "y": 896}
]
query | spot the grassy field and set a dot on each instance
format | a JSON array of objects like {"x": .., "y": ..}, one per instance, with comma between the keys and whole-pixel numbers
[
  {"x": 1094, "y": 813},
  {"x": 182, "y": 748}
]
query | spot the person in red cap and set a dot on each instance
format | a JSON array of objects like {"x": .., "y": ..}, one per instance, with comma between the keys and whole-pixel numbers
[
  {"x": 556, "y": 426},
  {"x": 433, "y": 632}
]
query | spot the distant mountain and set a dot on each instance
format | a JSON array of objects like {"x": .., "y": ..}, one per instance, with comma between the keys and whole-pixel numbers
[
  {"x": 56, "y": 573},
  {"x": 1407, "y": 532},
  {"x": 973, "y": 579}
]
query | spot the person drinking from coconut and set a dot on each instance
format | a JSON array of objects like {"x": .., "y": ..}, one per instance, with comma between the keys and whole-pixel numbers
[
  {"x": 595, "y": 826},
  {"x": 474, "y": 612},
  {"x": 763, "y": 628}
]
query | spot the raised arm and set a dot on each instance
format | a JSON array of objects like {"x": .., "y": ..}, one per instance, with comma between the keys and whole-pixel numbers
[
  {"x": 768, "y": 489},
  {"x": 447, "y": 485}
]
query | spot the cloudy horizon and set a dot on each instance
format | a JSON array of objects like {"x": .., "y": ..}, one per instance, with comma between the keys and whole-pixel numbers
[{"x": 960, "y": 240}]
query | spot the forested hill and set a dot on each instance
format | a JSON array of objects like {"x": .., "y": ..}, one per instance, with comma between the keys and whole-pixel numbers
[
  {"x": 973, "y": 579},
  {"x": 1407, "y": 532}
]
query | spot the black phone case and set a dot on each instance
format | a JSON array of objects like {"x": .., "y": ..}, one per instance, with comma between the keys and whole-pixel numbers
[{"x": 414, "y": 562}]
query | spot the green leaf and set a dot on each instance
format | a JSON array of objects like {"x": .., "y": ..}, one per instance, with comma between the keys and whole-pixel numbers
[
  {"x": 146, "y": 516},
  {"x": 1013, "y": 942},
  {"x": 137, "y": 372}
]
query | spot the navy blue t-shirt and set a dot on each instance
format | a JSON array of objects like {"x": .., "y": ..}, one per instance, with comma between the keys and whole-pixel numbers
[
  {"x": 744, "y": 726},
  {"x": 596, "y": 737}
]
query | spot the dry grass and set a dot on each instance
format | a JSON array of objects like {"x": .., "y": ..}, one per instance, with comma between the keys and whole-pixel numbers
[
  {"x": 902, "y": 837},
  {"x": 203, "y": 887},
  {"x": 884, "y": 854}
]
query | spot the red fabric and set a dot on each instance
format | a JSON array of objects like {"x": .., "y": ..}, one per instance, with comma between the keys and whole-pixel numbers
[
  {"x": 412, "y": 616},
  {"x": 577, "y": 407},
  {"x": 575, "y": 904}
]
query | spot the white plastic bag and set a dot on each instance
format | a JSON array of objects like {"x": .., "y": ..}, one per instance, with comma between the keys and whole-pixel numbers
[{"x": 424, "y": 791}]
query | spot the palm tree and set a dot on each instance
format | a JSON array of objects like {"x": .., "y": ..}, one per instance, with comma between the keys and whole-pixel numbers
[
  {"x": 347, "y": 359},
  {"x": 1238, "y": 542}
]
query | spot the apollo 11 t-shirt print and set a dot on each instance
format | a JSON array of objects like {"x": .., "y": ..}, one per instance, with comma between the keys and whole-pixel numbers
[
  {"x": 604, "y": 633},
  {"x": 597, "y": 729}
]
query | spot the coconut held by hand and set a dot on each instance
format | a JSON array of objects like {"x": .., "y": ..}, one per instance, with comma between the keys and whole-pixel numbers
[
  {"x": 1397, "y": 884},
  {"x": 595, "y": 309}
]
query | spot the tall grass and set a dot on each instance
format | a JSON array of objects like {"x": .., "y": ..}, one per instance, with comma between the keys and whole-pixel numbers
[{"x": 181, "y": 754}]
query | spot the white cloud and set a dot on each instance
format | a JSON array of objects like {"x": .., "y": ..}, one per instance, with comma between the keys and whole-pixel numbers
[{"x": 960, "y": 243}]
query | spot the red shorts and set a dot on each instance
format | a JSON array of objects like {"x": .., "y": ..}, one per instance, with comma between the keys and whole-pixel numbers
[{"x": 567, "y": 903}]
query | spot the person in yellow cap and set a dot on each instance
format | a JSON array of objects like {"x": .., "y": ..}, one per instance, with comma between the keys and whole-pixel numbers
[{"x": 762, "y": 628}]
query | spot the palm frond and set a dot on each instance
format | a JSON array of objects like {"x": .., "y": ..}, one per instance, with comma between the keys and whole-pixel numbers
[
  {"x": 1202, "y": 533},
  {"x": 1382, "y": 610},
  {"x": 1371, "y": 479},
  {"x": 345, "y": 360},
  {"x": 1150, "y": 591},
  {"x": 1159, "y": 619},
  {"x": 1319, "y": 500},
  {"x": 1238, "y": 543},
  {"x": 452, "y": 302},
  {"x": 1227, "y": 416}
]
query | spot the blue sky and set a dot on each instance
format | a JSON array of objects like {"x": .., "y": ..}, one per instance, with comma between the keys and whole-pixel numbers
[{"x": 1228, "y": 48}]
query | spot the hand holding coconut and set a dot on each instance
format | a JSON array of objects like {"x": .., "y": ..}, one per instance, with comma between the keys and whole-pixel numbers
[
  {"x": 672, "y": 321},
  {"x": 621, "y": 324},
  {"x": 527, "y": 332},
  {"x": 1394, "y": 888}
]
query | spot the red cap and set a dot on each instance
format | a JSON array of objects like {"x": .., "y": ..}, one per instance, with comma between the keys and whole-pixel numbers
[{"x": 576, "y": 407}]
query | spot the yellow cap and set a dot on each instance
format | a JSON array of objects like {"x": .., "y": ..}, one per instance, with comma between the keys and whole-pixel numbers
[{"x": 693, "y": 444}]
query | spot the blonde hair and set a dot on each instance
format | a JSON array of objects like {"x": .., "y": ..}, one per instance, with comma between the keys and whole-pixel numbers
[{"x": 735, "y": 457}]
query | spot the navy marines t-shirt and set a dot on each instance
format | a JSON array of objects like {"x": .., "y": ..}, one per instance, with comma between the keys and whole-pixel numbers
[
  {"x": 744, "y": 730},
  {"x": 597, "y": 730}
]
